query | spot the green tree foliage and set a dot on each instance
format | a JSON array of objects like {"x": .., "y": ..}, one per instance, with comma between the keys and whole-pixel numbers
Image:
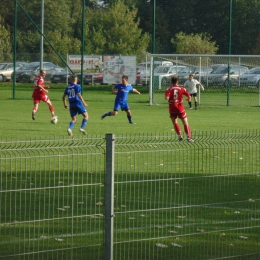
[
  {"x": 122, "y": 26},
  {"x": 194, "y": 44},
  {"x": 5, "y": 40},
  {"x": 114, "y": 31}
]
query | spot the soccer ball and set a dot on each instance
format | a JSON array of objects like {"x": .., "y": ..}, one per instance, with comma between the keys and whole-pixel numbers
[{"x": 54, "y": 120}]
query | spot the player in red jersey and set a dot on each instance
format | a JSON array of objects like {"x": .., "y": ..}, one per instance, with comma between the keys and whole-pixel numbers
[
  {"x": 174, "y": 96},
  {"x": 39, "y": 94}
]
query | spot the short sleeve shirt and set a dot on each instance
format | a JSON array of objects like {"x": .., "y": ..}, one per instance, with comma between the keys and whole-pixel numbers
[
  {"x": 175, "y": 94},
  {"x": 72, "y": 92},
  {"x": 123, "y": 92},
  {"x": 191, "y": 85}
]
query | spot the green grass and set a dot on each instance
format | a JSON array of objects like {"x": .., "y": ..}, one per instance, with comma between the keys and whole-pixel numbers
[
  {"x": 207, "y": 183},
  {"x": 213, "y": 114}
]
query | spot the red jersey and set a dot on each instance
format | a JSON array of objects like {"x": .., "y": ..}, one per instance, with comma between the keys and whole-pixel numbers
[
  {"x": 38, "y": 81},
  {"x": 175, "y": 94}
]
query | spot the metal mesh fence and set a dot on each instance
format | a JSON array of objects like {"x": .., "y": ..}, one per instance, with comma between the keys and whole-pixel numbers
[
  {"x": 50, "y": 190},
  {"x": 191, "y": 200},
  {"x": 227, "y": 79}
]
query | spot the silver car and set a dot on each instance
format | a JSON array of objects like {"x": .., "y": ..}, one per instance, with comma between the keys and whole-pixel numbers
[
  {"x": 219, "y": 76},
  {"x": 250, "y": 78},
  {"x": 162, "y": 74},
  {"x": 197, "y": 71},
  {"x": 7, "y": 68}
]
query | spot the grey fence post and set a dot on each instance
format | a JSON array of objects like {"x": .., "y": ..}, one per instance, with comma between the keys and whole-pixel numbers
[{"x": 109, "y": 197}]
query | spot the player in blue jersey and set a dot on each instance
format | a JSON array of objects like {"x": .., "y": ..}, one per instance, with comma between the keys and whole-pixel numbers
[
  {"x": 77, "y": 105},
  {"x": 121, "y": 91}
]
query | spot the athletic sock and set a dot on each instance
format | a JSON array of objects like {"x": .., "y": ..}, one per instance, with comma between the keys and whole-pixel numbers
[
  {"x": 84, "y": 122},
  {"x": 129, "y": 117},
  {"x": 177, "y": 129},
  {"x": 187, "y": 131},
  {"x": 189, "y": 104},
  {"x": 71, "y": 125}
]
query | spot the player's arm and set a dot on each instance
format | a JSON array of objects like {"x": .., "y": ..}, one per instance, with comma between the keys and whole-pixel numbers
[
  {"x": 42, "y": 88},
  {"x": 64, "y": 101},
  {"x": 82, "y": 100},
  {"x": 136, "y": 91},
  {"x": 114, "y": 91},
  {"x": 167, "y": 95},
  {"x": 201, "y": 86}
]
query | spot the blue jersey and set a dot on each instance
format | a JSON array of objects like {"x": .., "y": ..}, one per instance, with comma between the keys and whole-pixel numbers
[
  {"x": 122, "y": 92},
  {"x": 72, "y": 92}
]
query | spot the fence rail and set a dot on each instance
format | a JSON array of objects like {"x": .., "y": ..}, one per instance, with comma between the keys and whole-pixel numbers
[{"x": 158, "y": 196}]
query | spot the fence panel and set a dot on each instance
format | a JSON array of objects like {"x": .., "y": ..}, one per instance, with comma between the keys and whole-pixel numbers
[
  {"x": 191, "y": 200},
  {"x": 50, "y": 195}
]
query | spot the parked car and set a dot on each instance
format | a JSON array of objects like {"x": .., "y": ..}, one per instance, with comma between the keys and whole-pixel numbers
[
  {"x": 29, "y": 72},
  {"x": 62, "y": 76},
  {"x": 93, "y": 78},
  {"x": 197, "y": 71},
  {"x": 155, "y": 64},
  {"x": 140, "y": 72},
  {"x": 250, "y": 78},
  {"x": 219, "y": 76},
  {"x": 7, "y": 68},
  {"x": 165, "y": 72}
]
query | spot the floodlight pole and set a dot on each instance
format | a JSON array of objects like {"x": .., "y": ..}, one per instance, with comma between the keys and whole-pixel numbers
[
  {"x": 154, "y": 25},
  {"x": 82, "y": 43},
  {"x": 14, "y": 47},
  {"x": 42, "y": 28},
  {"x": 229, "y": 51}
]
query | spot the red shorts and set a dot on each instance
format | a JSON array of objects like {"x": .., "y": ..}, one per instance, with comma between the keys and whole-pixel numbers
[
  {"x": 180, "y": 115},
  {"x": 38, "y": 97}
]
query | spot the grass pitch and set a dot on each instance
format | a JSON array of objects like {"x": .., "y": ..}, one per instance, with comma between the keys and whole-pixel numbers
[{"x": 17, "y": 123}]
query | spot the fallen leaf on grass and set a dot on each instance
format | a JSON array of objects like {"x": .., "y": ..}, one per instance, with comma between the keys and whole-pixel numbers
[
  {"x": 161, "y": 245},
  {"x": 177, "y": 245},
  {"x": 59, "y": 239},
  {"x": 242, "y": 237}
]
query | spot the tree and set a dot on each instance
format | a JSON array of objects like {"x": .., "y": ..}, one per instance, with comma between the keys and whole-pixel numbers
[
  {"x": 114, "y": 30},
  {"x": 5, "y": 41},
  {"x": 194, "y": 44}
]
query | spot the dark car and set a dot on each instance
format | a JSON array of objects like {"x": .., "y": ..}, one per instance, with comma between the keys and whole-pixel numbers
[
  {"x": 62, "y": 76},
  {"x": 29, "y": 72},
  {"x": 7, "y": 68},
  {"x": 93, "y": 78}
]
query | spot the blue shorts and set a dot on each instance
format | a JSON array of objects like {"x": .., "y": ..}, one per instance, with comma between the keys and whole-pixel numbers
[
  {"x": 76, "y": 109},
  {"x": 122, "y": 105}
]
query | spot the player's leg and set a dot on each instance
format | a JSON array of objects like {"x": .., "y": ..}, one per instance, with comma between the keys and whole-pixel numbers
[
  {"x": 195, "y": 101},
  {"x": 126, "y": 108},
  {"x": 176, "y": 126},
  {"x": 48, "y": 102},
  {"x": 83, "y": 123},
  {"x": 112, "y": 113},
  {"x": 190, "y": 105},
  {"x": 187, "y": 129},
  {"x": 129, "y": 116},
  {"x": 73, "y": 114},
  {"x": 35, "y": 108}
]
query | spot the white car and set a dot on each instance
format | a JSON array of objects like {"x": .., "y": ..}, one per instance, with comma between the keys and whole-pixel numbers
[
  {"x": 155, "y": 64},
  {"x": 165, "y": 73}
]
